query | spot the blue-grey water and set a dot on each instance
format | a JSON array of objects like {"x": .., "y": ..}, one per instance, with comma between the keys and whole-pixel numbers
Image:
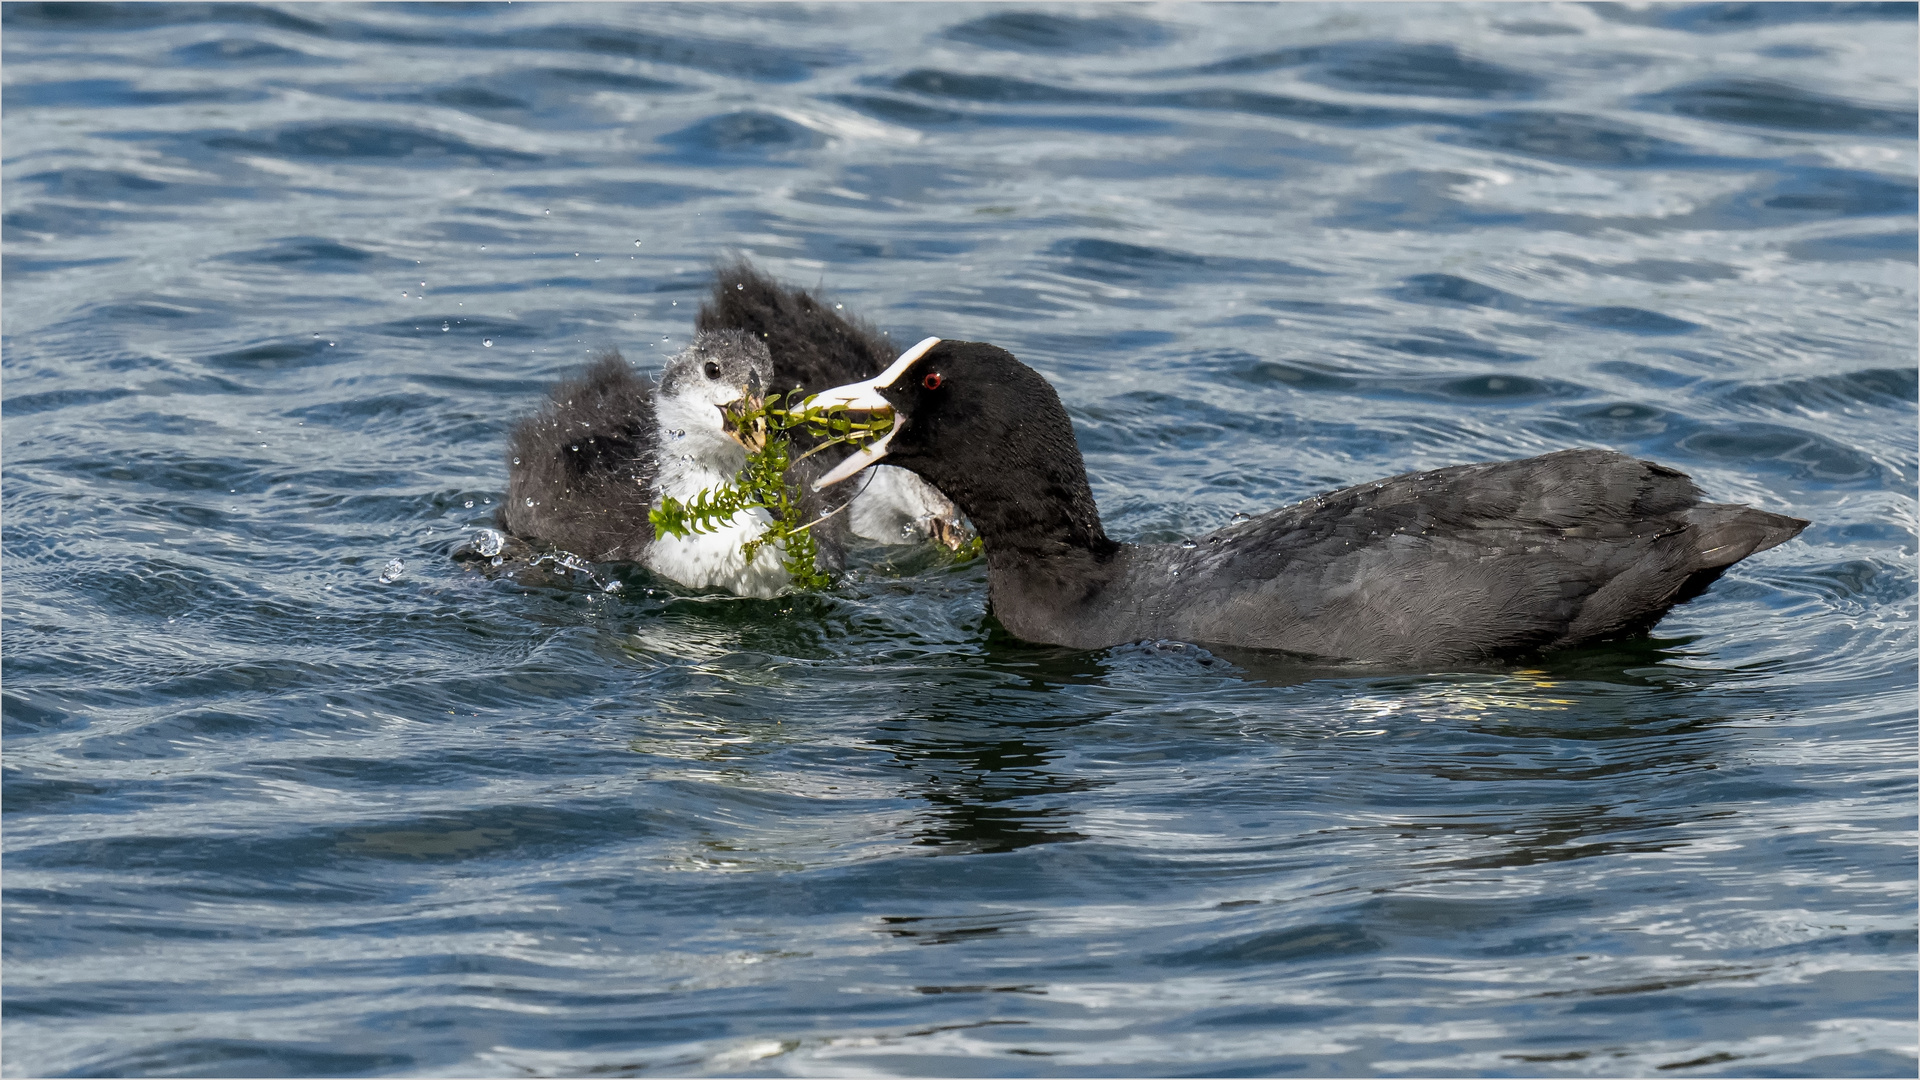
[{"x": 279, "y": 278}]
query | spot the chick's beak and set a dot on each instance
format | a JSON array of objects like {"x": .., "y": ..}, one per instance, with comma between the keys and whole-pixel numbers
[{"x": 744, "y": 419}]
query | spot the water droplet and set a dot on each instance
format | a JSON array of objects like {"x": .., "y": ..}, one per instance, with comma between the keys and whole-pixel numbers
[
  {"x": 575, "y": 448},
  {"x": 679, "y": 434},
  {"x": 516, "y": 461},
  {"x": 549, "y": 213},
  {"x": 483, "y": 247},
  {"x": 740, "y": 288},
  {"x": 529, "y": 502},
  {"x": 1176, "y": 573},
  {"x": 1239, "y": 518},
  {"x": 686, "y": 457},
  {"x": 489, "y": 542},
  {"x": 486, "y": 343},
  {"x": 316, "y": 337},
  {"x": 1188, "y": 544},
  {"x": 444, "y": 327},
  {"x": 391, "y": 572},
  {"x": 469, "y": 504},
  {"x": 423, "y": 284},
  {"x": 636, "y": 243},
  {"x": 613, "y": 586}
]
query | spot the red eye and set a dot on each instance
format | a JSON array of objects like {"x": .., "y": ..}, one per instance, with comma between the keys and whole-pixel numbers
[{"x": 932, "y": 381}]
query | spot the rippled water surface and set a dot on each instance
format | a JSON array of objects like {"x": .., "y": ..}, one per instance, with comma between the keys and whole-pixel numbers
[{"x": 278, "y": 279}]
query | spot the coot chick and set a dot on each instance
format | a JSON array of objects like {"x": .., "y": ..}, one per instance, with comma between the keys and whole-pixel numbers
[
  {"x": 608, "y": 446},
  {"x": 1462, "y": 564}
]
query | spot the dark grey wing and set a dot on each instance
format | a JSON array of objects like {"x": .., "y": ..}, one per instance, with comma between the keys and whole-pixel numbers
[
  {"x": 580, "y": 471},
  {"x": 1477, "y": 561}
]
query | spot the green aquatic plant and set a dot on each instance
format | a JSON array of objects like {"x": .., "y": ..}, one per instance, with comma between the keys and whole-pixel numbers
[{"x": 764, "y": 429}]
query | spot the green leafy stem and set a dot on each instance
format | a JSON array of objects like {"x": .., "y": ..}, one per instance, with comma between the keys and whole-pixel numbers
[{"x": 762, "y": 484}]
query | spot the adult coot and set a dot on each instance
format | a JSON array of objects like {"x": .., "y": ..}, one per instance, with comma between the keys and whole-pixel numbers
[{"x": 1459, "y": 564}]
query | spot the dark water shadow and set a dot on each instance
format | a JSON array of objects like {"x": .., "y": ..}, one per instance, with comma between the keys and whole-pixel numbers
[
  {"x": 990, "y": 783},
  {"x": 1643, "y": 662},
  {"x": 1769, "y": 104},
  {"x": 1045, "y": 32},
  {"x": 365, "y": 142},
  {"x": 118, "y": 93},
  {"x": 244, "y": 1057},
  {"x": 1383, "y": 67},
  {"x": 1578, "y": 139},
  {"x": 1451, "y": 290},
  {"x": 1633, "y": 662},
  {"x": 1737, "y": 15},
  {"x": 736, "y": 137},
  {"x": 970, "y": 88}
]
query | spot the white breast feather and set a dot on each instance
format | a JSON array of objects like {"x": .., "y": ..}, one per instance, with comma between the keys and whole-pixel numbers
[{"x": 696, "y": 456}]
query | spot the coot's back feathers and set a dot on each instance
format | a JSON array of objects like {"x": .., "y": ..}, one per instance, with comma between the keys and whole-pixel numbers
[
  {"x": 580, "y": 469},
  {"x": 1465, "y": 563}
]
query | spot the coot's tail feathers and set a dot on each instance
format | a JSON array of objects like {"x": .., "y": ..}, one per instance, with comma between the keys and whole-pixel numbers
[
  {"x": 813, "y": 345},
  {"x": 1725, "y": 533},
  {"x": 591, "y": 443},
  {"x": 1678, "y": 567}
]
